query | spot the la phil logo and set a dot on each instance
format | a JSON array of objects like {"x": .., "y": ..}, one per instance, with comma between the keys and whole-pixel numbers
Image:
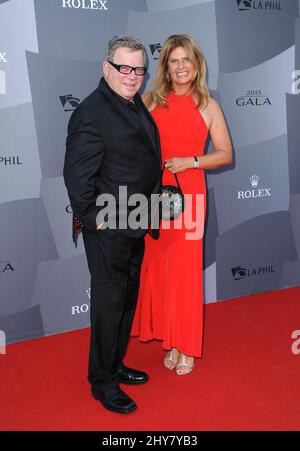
[
  {"x": 239, "y": 272},
  {"x": 254, "y": 192},
  {"x": 155, "y": 50},
  {"x": 86, "y": 4},
  {"x": 253, "y": 98},
  {"x": 6, "y": 266},
  {"x": 246, "y": 5},
  {"x": 69, "y": 102},
  {"x": 10, "y": 161},
  {"x": 243, "y": 5}
]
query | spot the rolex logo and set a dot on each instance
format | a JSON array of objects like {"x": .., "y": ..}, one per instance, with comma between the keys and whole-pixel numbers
[
  {"x": 86, "y": 4},
  {"x": 254, "y": 179},
  {"x": 2, "y": 82},
  {"x": 254, "y": 192},
  {"x": 3, "y": 57}
]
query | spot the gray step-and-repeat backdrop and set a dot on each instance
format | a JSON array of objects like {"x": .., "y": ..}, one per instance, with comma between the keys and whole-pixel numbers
[{"x": 50, "y": 54}]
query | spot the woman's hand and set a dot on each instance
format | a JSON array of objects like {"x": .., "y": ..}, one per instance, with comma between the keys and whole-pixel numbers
[{"x": 177, "y": 164}]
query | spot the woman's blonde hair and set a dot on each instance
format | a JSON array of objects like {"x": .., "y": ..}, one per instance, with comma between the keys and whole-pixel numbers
[{"x": 163, "y": 84}]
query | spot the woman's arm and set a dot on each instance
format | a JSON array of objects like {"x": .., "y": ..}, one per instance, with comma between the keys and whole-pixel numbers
[{"x": 222, "y": 154}]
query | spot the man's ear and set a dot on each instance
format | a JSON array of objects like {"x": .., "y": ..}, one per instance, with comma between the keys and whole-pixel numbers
[{"x": 105, "y": 68}]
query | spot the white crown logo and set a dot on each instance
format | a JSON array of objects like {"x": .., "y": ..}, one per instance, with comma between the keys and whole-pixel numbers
[{"x": 254, "y": 179}]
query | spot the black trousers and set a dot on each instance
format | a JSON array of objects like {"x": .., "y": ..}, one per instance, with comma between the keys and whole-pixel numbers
[{"x": 114, "y": 261}]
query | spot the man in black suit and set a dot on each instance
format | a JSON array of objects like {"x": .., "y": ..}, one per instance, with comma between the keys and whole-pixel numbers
[{"x": 113, "y": 144}]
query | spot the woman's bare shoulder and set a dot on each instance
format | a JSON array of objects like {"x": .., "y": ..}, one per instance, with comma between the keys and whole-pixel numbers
[{"x": 213, "y": 105}]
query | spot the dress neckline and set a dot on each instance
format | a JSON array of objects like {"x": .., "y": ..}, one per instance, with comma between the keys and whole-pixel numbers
[
  {"x": 180, "y": 96},
  {"x": 189, "y": 98}
]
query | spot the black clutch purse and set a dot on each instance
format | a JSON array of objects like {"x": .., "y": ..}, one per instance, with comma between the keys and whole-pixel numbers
[{"x": 171, "y": 201}]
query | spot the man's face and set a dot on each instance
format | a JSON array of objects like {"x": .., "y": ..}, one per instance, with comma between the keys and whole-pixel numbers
[{"x": 126, "y": 85}]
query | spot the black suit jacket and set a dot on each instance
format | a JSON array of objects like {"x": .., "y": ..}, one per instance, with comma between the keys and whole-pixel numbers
[{"x": 110, "y": 145}]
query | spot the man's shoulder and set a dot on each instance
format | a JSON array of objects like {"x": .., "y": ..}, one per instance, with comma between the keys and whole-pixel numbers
[
  {"x": 88, "y": 109},
  {"x": 90, "y": 106},
  {"x": 93, "y": 99}
]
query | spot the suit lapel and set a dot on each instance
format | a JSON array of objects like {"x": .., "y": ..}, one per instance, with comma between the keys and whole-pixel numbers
[{"x": 151, "y": 129}]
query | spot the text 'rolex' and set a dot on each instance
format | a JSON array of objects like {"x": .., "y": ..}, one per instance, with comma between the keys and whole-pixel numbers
[{"x": 101, "y": 5}]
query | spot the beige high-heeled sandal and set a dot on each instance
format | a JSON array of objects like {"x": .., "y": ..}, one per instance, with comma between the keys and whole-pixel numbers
[
  {"x": 184, "y": 364},
  {"x": 171, "y": 360}
]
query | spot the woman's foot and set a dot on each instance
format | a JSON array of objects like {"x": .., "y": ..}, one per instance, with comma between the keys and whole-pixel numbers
[
  {"x": 171, "y": 359},
  {"x": 185, "y": 365}
]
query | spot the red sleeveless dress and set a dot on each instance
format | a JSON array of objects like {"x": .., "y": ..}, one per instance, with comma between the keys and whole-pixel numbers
[{"x": 170, "y": 302}]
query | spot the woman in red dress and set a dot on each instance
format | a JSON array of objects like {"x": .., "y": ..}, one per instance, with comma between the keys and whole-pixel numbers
[{"x": 170, "y": 304}]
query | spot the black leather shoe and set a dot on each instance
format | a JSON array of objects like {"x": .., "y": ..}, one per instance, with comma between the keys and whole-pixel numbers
[
  {"x": 131, "y": 376},
  {"x": 115, "y": 400}
]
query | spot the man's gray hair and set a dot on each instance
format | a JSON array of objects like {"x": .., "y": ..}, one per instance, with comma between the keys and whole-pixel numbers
[{"x": 124, "y": 41}]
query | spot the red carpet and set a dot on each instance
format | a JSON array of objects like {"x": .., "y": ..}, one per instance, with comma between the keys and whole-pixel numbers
[{"x": 248, "y": 379}]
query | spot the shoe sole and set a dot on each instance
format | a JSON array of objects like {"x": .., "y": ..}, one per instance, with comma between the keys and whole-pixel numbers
[
  {"x": 133, "y": 382},
  {"x": 133, "y": 409}
]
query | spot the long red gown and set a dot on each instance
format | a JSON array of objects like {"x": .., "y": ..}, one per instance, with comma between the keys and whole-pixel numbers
[{"x": 170, "y": 302}]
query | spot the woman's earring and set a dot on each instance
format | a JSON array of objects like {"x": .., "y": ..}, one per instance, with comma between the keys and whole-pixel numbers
[{"x": 169, "y": 78}]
